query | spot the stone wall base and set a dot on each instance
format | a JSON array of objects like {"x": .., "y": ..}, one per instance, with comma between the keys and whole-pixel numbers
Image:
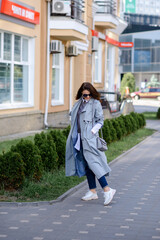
[
  {"x": 58, "y": 119},
  {"x": 20, "y": 122},
  {"x": 31, "y": 121}
]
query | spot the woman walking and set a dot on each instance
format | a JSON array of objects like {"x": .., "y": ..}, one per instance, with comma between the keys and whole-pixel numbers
[{"x": 82, "y": 155}]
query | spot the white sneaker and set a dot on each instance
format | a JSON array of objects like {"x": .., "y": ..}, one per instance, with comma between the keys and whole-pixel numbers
[
  {"x": 108, "y": 196},
  {"x": 90, "y": 196}
]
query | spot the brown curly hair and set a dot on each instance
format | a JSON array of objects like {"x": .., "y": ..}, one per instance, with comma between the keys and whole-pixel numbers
[{"x": 88, "y": 86}]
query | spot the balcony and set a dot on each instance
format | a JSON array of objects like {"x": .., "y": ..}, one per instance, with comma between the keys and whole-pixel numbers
[
  {"x": 105, "y": 17},
  {"x": 121, "y": 26},
  {"x": 66, "y": 20}
]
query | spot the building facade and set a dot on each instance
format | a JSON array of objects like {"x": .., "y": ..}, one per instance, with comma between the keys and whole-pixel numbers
[
  {"x": 20, "y": 43},
  {"x": 143, "y": 60},
  {"x": 47, "y": 50},
  {"x": 149, "y": 7}
]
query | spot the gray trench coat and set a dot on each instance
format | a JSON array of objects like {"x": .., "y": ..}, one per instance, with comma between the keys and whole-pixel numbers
[{"x": 96, "y": 160}]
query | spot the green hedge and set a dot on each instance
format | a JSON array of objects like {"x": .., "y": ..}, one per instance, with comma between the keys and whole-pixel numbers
[
  {"x": 47, "y": 150},
  {"x": 29, "y": 159},
  {"x": 60, "y": 141},
  {"x": 11, "y": 170},
  {"x": 158, "y": 113},
  {"x": 121, "y": 126}
]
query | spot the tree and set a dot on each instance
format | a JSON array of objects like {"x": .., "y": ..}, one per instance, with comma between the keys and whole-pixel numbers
[
  {"x": 153, "y": 82},
  {"x": 128, "y": 80}
]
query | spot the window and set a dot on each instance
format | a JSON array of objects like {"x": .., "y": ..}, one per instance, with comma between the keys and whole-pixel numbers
[
  {"x": 15, "y": 74},
  {"x": 98, "y": 64},
  {"x": 146, "y": 90},
  {"x": 110, "y": 71},
  {"x": 126, "y": 56},
  {"x": 58, "y": 78}
]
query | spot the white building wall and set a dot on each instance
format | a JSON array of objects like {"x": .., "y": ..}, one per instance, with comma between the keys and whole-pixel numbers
[{"x": 150, "y": 7}]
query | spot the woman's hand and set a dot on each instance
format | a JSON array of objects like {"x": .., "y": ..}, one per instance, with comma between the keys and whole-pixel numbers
[{"x": 96, "y": 128}]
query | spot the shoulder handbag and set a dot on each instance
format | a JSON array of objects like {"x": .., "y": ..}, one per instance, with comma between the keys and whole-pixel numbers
[{"x": 101, "y": 143}]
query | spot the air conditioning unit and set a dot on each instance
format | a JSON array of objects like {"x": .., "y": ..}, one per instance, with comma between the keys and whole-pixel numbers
[
  {"x": 72, "y": 51},
  {"x": 94, "y": 44},
  {"x": 61, "y": 7},
  {"x": 55, "y": 46}
]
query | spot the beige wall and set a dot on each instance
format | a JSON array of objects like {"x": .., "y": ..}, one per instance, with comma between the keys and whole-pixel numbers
[
  {"x": 81, "y": 71},
  {"x": 29, "y": 32},
  {"x": 43, "y": 51}
]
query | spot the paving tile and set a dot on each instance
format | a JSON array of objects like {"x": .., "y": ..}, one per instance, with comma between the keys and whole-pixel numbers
[{"x": 134, "y": 213}]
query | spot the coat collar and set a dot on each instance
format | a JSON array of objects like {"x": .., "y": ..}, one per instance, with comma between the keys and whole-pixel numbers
[
  {"x": 90, "y": 102},
  {"x": 77, "y": 104}
]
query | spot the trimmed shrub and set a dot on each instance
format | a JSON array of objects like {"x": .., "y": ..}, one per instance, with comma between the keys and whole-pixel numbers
[
  {"x": 47, "y": 149},
  {"x": 66, "y": 131},
  {"x": 106, "y": 132},
  {"x": 117, "y": 128},
  {"x": 158, "y": 113},
  {"x": 112, "y": 131},
  {"x": 60, "y": 141},
  {"x": 133, "y": 123},
  {"x": 140, "y": 121},
  {"x": 11, "y": 170},
  {"x": 143, "y": 118},
  {"x": 122, "y": 125},
  {"x": 38, "y": 167},
  {"x": 31, "y": 157},
  {"x": 128, "y": 123},
  {"x": 135, "y": 116}
]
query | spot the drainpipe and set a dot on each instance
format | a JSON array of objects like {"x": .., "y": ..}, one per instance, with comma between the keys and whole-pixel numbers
[
  {"x": 48, "y": 66},
  {"x": 105, "y": 68},
  {"x": 70, "y": 84}
]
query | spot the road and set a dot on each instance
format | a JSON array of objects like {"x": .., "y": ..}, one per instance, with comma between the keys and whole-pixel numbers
[{"x": 146, "y": 105}]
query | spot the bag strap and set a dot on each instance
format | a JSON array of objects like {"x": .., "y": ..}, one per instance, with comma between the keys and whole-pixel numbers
[{"x": 101, "y": 132}]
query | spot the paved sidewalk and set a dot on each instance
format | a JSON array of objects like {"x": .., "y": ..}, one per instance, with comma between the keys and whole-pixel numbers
[
  {"x": 134, "y": 213},
  {"x": 153, "y": 124}
]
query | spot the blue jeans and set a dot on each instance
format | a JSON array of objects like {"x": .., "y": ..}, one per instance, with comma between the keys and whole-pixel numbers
[{"x": 92, "y": 180}]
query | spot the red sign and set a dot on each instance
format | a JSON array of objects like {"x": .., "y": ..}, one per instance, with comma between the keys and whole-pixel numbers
[
  {"x": 16, "y": 10},
  {"x": 94, "y": 33},
  {"x": 112, "y": 41},
  {"x": 126, "y": 44}
]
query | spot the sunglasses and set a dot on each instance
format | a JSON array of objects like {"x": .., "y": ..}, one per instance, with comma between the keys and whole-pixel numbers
[{"x": 86, "y": 95}]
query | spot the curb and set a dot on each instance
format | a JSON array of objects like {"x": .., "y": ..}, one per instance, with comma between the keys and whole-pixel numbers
[
  {"x": 72, "y": 190},
  {"x": 40, "y": 203}
]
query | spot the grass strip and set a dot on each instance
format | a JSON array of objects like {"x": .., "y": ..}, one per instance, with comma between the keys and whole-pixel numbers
[
  {"x": 150, "y": 115},
  {"x": 6, "y": 145},
  {"x": 52, "y": 185}
]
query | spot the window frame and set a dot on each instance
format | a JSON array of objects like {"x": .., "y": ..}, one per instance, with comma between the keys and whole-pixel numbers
[
  {"x": 12, "y": 62},
  {"x": 60, "y": 101},
  {"x": 99, "y": 68}
]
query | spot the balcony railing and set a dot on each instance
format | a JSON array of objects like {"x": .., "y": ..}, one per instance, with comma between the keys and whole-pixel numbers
[
  {"x": 142, "y": 19},
  {"x": 106, "y": 6},
  {"x": 75, "y": 9}
]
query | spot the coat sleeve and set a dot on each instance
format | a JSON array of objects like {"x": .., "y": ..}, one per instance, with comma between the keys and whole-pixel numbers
[{"x": 98, "y": 114}]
